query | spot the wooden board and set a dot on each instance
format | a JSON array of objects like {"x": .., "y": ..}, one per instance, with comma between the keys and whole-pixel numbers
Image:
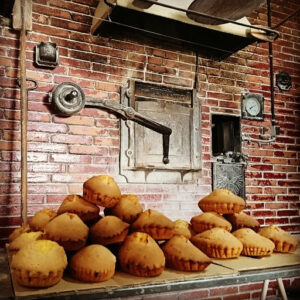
[
  {"x": 120, "y": 280},
  {"x": 245, "y": 263}
]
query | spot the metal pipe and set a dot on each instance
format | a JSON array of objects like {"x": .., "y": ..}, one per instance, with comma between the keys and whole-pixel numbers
[
  {"x": 270, "y": 31},
  {"x": 24, "y": 116},
  {"x": 271, "y": 70}
]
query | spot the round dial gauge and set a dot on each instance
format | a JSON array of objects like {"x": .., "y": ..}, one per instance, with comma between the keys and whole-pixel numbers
[{"x": 253, "y": 106}]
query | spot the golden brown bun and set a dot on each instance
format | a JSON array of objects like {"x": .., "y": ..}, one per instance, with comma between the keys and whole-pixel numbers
[
  {"x": 222, "y": 201},
  {"x": 93, "y": 263},
  {"x": 182, "y": 227},
  {"x": 68, "y": 230},
  {"x": 242, "y": 220},
  {"x": 127, "y": 209},
  {"x": 182, "y": 255},
  {"x": 102, "y": 190},
  {"x": 209, "y": 220},
  {"x": 284, "y": 242},
  {"x": 77, "y": 205},
  {"x": 218, "y": 243},
  {"x": 41, "y": 218},
  {"x": 109, "y": 230},
  {"x": 18, "y": 231},
  {"x": 141, "y": 256},
  {"x": 253, "y": 243},
  {"x": 39, "y": 264},
  {"x": 24, "y": 239},
  {"x": 155, "y": 224}
]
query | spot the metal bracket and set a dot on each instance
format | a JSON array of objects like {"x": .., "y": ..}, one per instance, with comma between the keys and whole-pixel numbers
[{"x": 68, "y": 99}]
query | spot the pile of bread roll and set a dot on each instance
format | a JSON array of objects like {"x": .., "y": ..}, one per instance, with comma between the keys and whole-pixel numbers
[{"x": 90, "y": 246}]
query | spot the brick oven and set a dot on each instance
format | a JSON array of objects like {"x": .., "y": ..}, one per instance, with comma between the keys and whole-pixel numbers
[{"x": 63, "y": 152}]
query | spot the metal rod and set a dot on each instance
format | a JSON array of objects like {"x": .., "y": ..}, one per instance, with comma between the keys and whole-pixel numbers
[
  {"x": 286, "y": 19},
  {"x": 271, "y": 70},
  {"x": 268, "y": 30},
  {"x": 24, "y": 113}
]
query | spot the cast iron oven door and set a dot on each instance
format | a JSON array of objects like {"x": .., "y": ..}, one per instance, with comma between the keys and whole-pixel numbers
[{"x": 178, "y": 109}]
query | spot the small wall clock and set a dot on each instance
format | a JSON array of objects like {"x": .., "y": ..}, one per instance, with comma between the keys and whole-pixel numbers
[{"x": 252, "y": 106}]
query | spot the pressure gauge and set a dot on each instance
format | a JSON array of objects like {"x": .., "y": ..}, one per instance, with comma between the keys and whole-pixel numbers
[{"x": 252, "y": 106}]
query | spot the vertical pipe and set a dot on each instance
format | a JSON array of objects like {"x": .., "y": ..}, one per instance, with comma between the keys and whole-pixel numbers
[
  {"x": 24, "y": 110},
  {"x": 271, "y": 69}
]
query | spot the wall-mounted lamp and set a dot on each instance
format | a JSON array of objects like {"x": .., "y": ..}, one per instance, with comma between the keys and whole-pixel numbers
[{"x": 46, "y": 54}]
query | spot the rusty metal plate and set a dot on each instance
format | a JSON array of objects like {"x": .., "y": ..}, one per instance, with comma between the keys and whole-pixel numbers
[{"x": 229, "y": 176}]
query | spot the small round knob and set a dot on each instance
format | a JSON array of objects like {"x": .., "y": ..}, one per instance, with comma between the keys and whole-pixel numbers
[{"x": 72, "y": 95}]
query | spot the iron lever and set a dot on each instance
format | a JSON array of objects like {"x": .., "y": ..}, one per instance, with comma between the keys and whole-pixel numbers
[{"x": 68, "y": 99}]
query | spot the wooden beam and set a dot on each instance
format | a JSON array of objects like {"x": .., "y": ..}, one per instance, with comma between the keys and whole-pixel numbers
[{"x": 17, "y": 14}]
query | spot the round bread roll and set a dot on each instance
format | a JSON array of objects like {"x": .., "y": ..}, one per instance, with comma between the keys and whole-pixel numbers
[
  {"x": 222, "y": 201},
  {"x": 242, "y": 220},
  {"x": 41, "y": 218},
  {"x": 284, "y": 242},
  {"x": 24, "y": 239},
  {"x": 18, "y": 231},
  {"x": 218, "y": 243},
  {"x": 68, "y": 230},
  {"x": 253, "y": 243},
  {"x": 39, "y": 264},
  {"x": 182, "y": 255},
  {"x": 141, "y": 256},
  {"x": 77, "y": 205},
  {"x": 93, "y": 263},
  {"x": 155, "y": 224},
  {"x": 102, "y": 190},
  {"x": 182, "y": 227},
  {"x": 209, "y": 220},
  {"x": 109, "y": 230},
  {"x": 127, "y": 209}
]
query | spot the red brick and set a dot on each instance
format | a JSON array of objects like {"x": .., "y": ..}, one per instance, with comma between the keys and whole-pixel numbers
[
  {"x": 71, "y": 139},
  {"x": 223, "y": 290},
  {"x": 47, "y": 189},
  {"x": 87, "y": 169},
  {"x": 68, "y": 158},
  {"x": 77, "y": 120},
  {"x": 84, "y": 149},
  {"x": 47, "y": 127}
]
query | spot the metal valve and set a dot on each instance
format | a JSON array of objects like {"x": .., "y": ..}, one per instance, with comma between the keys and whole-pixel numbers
[{"x": 68, "y": 99}]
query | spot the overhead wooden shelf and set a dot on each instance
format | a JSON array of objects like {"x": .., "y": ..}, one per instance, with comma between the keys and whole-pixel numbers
[{"x": 172, "y": 24}]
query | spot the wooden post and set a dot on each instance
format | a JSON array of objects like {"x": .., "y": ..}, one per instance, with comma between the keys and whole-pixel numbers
[{"x": 22, "y": 15}]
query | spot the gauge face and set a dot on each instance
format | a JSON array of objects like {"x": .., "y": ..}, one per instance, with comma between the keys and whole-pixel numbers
[{"x": 253, "y": 106}]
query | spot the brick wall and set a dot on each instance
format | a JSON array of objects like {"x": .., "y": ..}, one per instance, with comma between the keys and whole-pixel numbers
[{"x": 64, "y": 152}]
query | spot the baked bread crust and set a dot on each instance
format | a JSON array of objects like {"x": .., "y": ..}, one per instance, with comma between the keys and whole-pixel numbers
[
  {"x": 253, "y": 243},
  {"x": 218, "y": 243},
  {"x": 68, "y": 230},
  {"x": 41, "y": 218},
  {"x": 209, "y": 220},
  {"x": 284, "y": 242},
  {"x": 109, "y": 230},
  {"x": 157, "y": 225},
  {"x": 141, "y": 256},
  {"x": 93, "y": 263},
  {"x": 242, "y": 220},
  {"x": 101, "y": 190},
  {"x": 18, "y": 231},
  {"x": 39, "y": 264},
  {"x": 182, "y": 227},
  {"x": 127, "y": 209},
  {"x": 222, "y": 201},
  {"x": 77, "y": 205},
  {"x": 24, "y": 239},
  {"x": 182, "y": 255}
]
